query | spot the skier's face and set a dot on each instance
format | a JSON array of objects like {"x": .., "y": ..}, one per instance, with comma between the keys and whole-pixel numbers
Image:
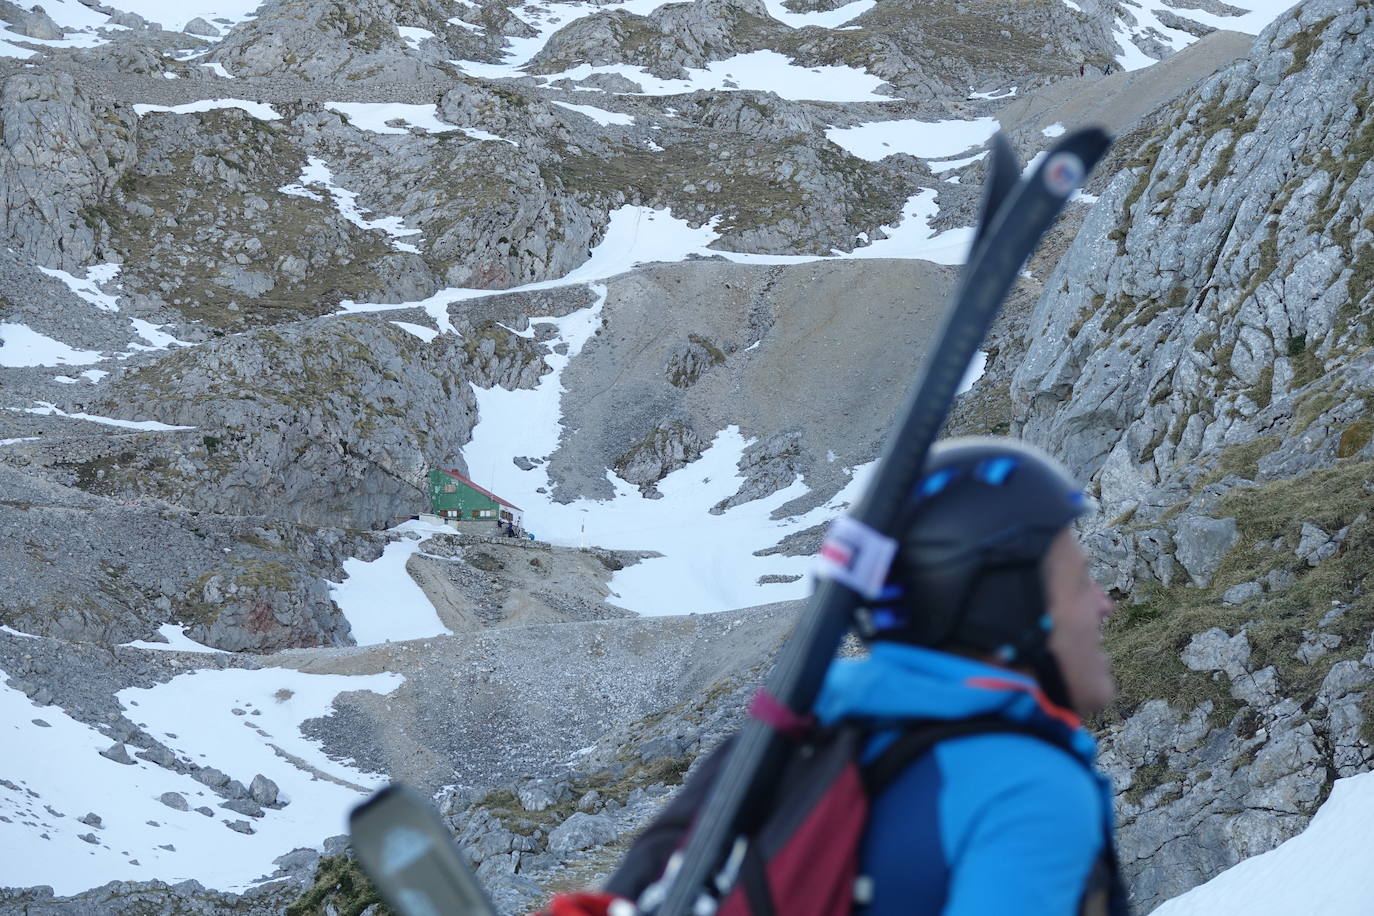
[{"x": 1078, "y": 607}]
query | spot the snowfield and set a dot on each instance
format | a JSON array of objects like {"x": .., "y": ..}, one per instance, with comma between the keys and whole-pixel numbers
[{"x": 239, "y": 721}]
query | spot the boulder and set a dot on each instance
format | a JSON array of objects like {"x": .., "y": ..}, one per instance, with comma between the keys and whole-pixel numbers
[
  {"x": 118, "y": 753},
  {"x": 198, "y": 26},
  {"x": 174, "y": 800},
  {"x": 263, "y": 791},
  {"x": 582, "y": 831},
  {"x": 1202, "y": 543},
  {"x": 1217, "y": 650}
]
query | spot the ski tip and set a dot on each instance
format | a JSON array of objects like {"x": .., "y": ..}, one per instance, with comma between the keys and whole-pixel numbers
[
  {"x": 1069, "y": 161},
  {"x": 1004, "y": 159},
  {"x": 1003, "y": 171}
]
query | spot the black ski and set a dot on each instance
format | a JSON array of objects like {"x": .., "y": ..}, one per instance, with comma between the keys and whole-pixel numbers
[
  {"x": 859, "y": 548},
  {"x": 1003, "y": 172},
  {"x": 411, "y": 858}
]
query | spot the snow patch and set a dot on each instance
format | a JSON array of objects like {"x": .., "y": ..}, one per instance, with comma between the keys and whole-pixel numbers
[
  {"x": 875, "y": 140},
  {"x": 950, "y": 165},
  {"x": 825, "y": 19},
  {"x": 419, "y": 330},
  {"x": 600, "y": 116},
  {"x": 974, "y": 372},
  {"x": 177, "y": 641},
  {"x": 317, "y": 174},
  {"x": 373, "y": 116},
  {"x": 157, "y": 338},
  {"x": 1325, "y": 869},
  {"x": 22, "y": 346},
  {"x": 259, "y": 110},
  {"x": 765, "y": 71},
  {"x": 89, "y": 287},
  {"x": 380, "y": 600},
  {"x": 708, "y": 561},
  {"x": 48, "y": 410}
]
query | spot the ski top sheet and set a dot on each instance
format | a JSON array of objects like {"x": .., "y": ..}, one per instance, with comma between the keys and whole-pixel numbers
[
  {"x": 859, "y": 548},
  {"x": 411, "y": 857}
]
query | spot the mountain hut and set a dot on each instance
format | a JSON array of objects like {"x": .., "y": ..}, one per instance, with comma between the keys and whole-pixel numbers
[{"x": 458, "y": 500}]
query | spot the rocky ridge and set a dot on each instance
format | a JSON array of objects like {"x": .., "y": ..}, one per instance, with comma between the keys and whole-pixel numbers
[{"x": 1200, "y": 355}]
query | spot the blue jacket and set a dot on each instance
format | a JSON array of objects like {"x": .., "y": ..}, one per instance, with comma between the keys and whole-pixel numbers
[{"x": 996, "y": 823}]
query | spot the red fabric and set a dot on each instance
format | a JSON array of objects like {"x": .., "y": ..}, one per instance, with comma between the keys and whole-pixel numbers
[
  {"x": 803, "y": 877},
  {"x": 776, "y": 715},
  {"x": 581, "y": 904}
]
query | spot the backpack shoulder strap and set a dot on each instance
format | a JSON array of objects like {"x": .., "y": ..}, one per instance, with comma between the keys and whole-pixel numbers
[{"x": 919, "y": 736}]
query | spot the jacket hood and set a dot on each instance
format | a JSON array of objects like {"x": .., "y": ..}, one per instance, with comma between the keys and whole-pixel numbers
[{"x": 899, "y": 681}]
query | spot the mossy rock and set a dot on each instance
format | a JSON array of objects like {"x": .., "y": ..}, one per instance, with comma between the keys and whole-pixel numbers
[
  {"x": 1145, "y": 638},
  {"x": 340, "y": 889}
]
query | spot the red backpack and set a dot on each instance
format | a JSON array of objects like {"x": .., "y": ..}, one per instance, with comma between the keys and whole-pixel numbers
[{"x": 803, "y": 859}]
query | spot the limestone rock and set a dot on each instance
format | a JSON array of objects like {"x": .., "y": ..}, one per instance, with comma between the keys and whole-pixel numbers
[
  {"x": 665, "y": 450},
  {"x": 209, "y": 776},
  {"x": 174, "y": 800},
  {"x": 60, "y": 156},
  {"x": 582, "y": 831},
  {"x": 1317, "y": 545},
  {"x": 767, "y": 466},
  {"x": 32, "y": 23},
  {"x": 1216, "y": 650},
  {"x": 118, "y": 753},
  {"x": 1238, "y": 594},
  {"x": 539, "y": 794},
  {"x": 199, "y": 26},
  {"x": 264, "y": 791},
  {"x": 245, "y": 806},
  {"x": 1202, "y": 543}
]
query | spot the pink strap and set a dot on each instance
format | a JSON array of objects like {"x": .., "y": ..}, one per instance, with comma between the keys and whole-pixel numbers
[{"x": 774, "y": 713}]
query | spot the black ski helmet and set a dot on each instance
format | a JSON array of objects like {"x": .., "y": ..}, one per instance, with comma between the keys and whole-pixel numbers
[{"x": 967, "y": 571}]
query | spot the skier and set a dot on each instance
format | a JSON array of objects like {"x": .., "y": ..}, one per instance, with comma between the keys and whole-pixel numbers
[
  {"x": 997, "y": 614},
  {"x": 1082, "y": 69},
  {"x": 992, "y": 612}
]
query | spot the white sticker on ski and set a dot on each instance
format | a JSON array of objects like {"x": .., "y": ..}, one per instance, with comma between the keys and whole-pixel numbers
[{"x": 856, "y": 556}]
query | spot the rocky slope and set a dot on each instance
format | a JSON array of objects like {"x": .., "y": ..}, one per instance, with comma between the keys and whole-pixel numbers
[{"x": 1202, "y": 356}]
